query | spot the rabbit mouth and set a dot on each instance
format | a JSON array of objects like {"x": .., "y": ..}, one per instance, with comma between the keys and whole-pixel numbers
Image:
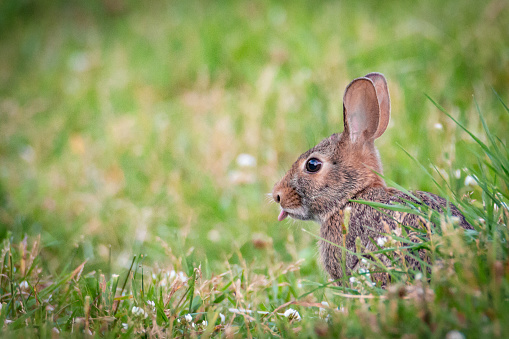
[{"x": 293, "y": 213}]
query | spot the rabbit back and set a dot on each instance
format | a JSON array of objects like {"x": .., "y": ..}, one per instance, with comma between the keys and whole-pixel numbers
[{"x": 368, "y": 224}]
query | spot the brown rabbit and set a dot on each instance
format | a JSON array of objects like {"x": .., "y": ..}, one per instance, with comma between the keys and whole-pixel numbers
[{"x": 323, "y": 181}]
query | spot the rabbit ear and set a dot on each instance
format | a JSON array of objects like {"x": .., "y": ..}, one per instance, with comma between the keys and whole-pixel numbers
[
  {"x": 384, "y": 101},
  {"x": 361, "y": 111}
]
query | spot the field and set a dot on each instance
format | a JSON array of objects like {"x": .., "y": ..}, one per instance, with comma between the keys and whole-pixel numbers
[{"x": 139, "y": 140}]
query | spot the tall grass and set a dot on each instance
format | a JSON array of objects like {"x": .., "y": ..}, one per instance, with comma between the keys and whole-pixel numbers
[
  {"x": 464, "y": 292},
  {"x": 153, "y": 131}
]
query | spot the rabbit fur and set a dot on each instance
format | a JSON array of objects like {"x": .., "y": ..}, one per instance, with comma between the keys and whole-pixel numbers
[{"x": 343, "y": 167}]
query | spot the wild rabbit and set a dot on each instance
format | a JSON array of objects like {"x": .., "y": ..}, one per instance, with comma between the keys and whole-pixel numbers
[{"x": 343, "y": 167}]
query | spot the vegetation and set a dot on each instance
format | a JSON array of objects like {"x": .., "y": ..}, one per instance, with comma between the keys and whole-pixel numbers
[{"x": 138, "y": 141}]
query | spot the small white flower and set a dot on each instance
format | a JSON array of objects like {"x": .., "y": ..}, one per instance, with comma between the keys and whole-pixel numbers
[
  {"x": 172, "y": 274},
  {"x": 438, "y": 126},
  {"x": 454, "y": 335},
  {"x": 193, "y": 325},
  {"x": 353, "y": 280},
  {"x": 292, "y": 314},
  {"x": 364, "y": 271},
  {"x": 322, "y": 312},
  {"x": 79, "y": 62},
  {"x": 204, "y": 323},
  {"x": 221, "y": 315},
  {"x": 364, "y": 261},
  {"x": 138, "y": 311},
  {"x": 24, "y": 285},
  {"x": 125, "y": 326},
  {"x": 182, "y": 276},
  {"x": 189, "y": 318},
  {"x": 457, "y": 174},
  {"x": 28, "y": 154},
  {"x": 470, "y": 181},
  {"x": 151, "y": 304},
  {"x": 246, "y": 160},
  {"x": 214, "y": 235},
  {"x": 381, "y": 241}
]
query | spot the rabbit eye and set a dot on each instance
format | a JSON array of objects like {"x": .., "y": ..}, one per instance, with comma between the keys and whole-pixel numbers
[{"x": 313, "y": 165}]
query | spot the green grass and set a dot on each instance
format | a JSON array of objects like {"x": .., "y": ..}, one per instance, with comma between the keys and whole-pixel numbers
[{"x": 121, "y": 123}]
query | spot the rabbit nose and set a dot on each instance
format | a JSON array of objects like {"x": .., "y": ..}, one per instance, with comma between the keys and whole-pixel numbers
[{"x": 277, "y": 197}]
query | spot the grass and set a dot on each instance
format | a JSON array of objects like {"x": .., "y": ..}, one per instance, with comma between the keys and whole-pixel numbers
[{"x": 121, "y": 126}]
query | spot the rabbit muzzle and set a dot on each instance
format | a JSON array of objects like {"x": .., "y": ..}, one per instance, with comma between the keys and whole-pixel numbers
[{"x": 289, "y": 201}]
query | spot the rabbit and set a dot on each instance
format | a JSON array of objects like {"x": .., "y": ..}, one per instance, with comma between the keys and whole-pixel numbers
[{"x": 343, "y": 167}]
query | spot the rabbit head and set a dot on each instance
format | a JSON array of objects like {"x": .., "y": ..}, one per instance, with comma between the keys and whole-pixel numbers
[{"x": 325, "y": 177}]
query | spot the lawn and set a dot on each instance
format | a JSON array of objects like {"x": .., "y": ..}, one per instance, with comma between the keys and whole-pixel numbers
[{"x": 139, "y": 140}]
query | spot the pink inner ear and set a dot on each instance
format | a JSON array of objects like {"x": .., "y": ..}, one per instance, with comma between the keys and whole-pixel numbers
[
  {"x": 361, "y": 109},
  {"x": 355, "y": 125}
]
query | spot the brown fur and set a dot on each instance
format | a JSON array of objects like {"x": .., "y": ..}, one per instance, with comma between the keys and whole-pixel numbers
[{"x": 349, "y": 162}]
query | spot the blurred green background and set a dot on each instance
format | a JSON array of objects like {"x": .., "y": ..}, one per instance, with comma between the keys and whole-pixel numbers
[{"x": 122, "y": 122}]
